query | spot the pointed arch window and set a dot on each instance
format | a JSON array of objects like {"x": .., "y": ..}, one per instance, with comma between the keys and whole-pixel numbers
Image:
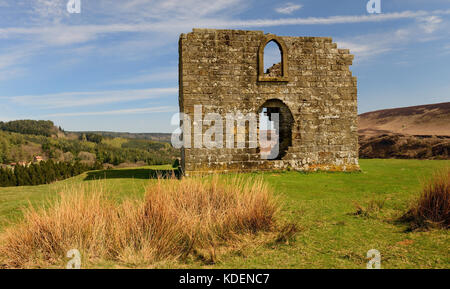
[{"x": 279, "y": 71}]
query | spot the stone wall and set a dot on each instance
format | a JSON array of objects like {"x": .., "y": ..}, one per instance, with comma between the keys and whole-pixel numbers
[{"x": 222, "y": 70}]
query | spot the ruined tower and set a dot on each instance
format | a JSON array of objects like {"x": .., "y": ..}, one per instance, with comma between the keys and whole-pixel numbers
[{"x": 312, "y": 90}]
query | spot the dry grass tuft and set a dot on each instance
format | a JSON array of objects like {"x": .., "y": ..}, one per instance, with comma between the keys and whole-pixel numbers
[
  {"x": 175, "y": 220},
  {"x": 432, "y": 208},
  {"x": 372, "y": 208}
]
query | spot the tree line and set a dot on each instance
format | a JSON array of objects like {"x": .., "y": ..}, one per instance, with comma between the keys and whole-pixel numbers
[
  {"x": 34, "y": 127},
  {"x": 45, "y": 172},
  {"x": 16, "y": 147}
]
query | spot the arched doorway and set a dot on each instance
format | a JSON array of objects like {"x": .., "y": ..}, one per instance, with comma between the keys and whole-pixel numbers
[{"x": 275, "y": 129}]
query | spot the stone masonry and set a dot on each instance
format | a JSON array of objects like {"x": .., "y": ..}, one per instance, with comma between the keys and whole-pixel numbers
[{"x": 314, "y": 92}]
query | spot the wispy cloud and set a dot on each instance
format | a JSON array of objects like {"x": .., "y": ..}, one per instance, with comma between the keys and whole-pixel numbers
[
  {"x": 65, "y": 34},
  {"x": 151, "y": 30},
  {"x": 10, "y": 60},
  {"x": 48, "y": 10},
  {"x": 369, "y": 45},
  {"x": 430, "y": 23},
  {"x": 338, "y": 19},
  {"x": 92, "y": 98},
  {"x": 150, "y": 10},
  {"x": 145, "y": 110},
  {"x": 163, "y": 75},
  {"x": 288, "y": 8}
]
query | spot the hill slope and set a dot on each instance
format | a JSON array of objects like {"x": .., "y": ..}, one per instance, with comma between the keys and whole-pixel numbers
[
  {"x": 18, "y": 147},
  {"x": 431, "y": 119},
  {"x": 420, "y": 132}
]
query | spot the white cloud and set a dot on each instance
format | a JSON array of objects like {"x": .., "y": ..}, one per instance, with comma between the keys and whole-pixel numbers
[
  {"x": 372, "y": 44},
  {"x": 48, "y": 10},
  {"x": 92, "y": 98},
  {"x": 337, "y": 19},
  {"x": 288, "y": 8},
  {"x": 145, "y": 110},
  {"x": 65, "y": 34},
  {"x": 430, "y": 23}
]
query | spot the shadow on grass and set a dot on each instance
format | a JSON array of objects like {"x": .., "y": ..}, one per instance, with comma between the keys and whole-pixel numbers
[{"x": 132, "y": 174}]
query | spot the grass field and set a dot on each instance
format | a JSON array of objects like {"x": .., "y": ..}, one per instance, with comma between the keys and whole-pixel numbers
[{"x": 323, "y": 204}]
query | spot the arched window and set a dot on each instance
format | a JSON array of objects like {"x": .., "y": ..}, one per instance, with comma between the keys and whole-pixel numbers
[{"x": 272, "y": 59}]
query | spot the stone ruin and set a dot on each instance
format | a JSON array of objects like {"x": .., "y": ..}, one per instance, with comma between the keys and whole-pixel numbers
[{"x": 312, "y": 90}]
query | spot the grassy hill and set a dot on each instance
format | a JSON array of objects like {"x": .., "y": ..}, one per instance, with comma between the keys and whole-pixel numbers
[
  {"x": 430, "y": 119},
  {"x": 417, "y": 132},
  {"x": 325, "y": 205}
]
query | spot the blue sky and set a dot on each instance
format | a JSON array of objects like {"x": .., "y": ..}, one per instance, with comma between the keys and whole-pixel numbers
[{"x": 114, "y": 66}]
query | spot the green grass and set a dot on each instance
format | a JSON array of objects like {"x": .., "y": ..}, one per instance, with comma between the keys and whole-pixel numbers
[{"x": 323, "y": 204}]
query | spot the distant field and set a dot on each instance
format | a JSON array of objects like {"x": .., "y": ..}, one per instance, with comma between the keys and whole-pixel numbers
[{"x": 323, "y": 204}]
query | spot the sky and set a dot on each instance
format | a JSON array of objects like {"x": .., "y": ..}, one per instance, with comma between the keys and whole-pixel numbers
[{"x": 114, "y": 66}]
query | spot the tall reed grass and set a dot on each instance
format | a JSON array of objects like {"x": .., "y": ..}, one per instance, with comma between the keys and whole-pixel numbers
[
  {"x": 432, "y": 208},
  {"x": 175, "y": 219}
]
